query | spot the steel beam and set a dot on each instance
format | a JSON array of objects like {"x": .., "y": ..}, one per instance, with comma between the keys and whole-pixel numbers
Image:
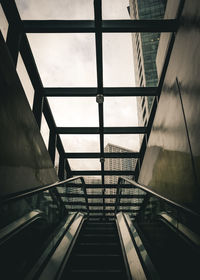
[
  {"x": 167, "y": 25},
  {"x": 106, "y": 155},
  {"x": 87, "y": 26},
  {"x": 101, "y": 186},
  {"x": 100, "y": 196},
  {"x": 78, "y": 203},
  {"x": 100, "y": 211},
  {"x": 38, "y": 107},
  {"x": 106, "y": 91},
  {"x": 52, "y": 145},
  {"x": 105, "y": 172},
  {"x": 96, "y": 130}
]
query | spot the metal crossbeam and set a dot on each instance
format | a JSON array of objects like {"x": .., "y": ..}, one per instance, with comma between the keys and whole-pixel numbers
[
  {"x": 100, "y": 204},
  {"x": 106, "y": 155},
  {"x": 88, "y": 26},
  {"x": 96, "y": 130},
  {"x": 100, "y": 172},
  {"x": 100, "y": 186},
  {"x": 106, "y": 91},
  {"x": 101, "y": 211},
  {"x": 75, "y": 195}
]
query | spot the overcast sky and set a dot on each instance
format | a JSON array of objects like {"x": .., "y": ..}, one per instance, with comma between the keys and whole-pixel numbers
[{"x": 68, "y": 60}]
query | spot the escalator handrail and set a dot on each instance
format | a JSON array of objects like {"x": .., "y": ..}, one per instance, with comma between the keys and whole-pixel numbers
[
  {"x": 19, "y": 224},
  {"x": 31, "y": 192},
  {"x": 55, "y": 265},
  {"x": 153, "y": 193},
  {"x": 149, "y": 267},
  {"x": 186, "y": 232},
  {"x": 53, "y": 244},
  {"x": 134, "y": 265}
]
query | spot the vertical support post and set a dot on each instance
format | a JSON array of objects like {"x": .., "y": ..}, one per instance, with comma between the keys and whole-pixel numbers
[
  {"x": 85, "y": 194},
  {"x": 13, "y": 41},
  {"x": 61, "y": 168},
  {"x": 52, "y": 145},
  {"x": 38, "y": 107}
]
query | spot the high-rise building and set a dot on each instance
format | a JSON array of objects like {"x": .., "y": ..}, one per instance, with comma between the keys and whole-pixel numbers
[
  {"x": 145, "y": 47},
  {"x": 92, "y": 180},
  {"x": 117, "y": 163}
]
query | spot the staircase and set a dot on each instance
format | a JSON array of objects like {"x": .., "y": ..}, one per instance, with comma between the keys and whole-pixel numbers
[{"x": 97, "y": 254}]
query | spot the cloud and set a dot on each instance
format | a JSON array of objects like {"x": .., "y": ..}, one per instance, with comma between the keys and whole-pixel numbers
[{"x": 55, "y": 9}]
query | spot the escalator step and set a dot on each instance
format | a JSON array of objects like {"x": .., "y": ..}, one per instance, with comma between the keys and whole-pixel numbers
[
  {"x": 102, "y": 230},
  {"x": 98, "y": 247},
  {"x": 97, "y": 254},
  {"x": 100, "y": 225},
  {"x": 106, "y": 238},
  {"x": 97, "y": 274},
  {"x": 96, "y": 261}
]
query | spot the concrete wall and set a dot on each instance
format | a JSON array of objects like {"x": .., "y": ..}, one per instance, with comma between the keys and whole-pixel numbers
[
  {"x": 24, "y": 160},
  {"x": 172, "y": 160}
]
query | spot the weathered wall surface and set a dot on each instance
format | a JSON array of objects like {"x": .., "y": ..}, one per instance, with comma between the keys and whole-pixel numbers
[
  {"x": 24, "y": 160},
  {"x": 171, "y": 166}
]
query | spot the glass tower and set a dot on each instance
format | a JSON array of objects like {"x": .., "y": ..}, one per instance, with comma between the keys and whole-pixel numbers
[{"x": 145, "y": 47}]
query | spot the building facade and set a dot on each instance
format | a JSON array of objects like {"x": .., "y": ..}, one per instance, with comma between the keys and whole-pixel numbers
[
  {"x": 117, "y": 163},
  {"x": 145, "y": 47}
]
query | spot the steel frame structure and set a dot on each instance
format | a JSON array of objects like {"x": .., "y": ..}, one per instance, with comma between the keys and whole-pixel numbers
[{"x": 17, "y": 42}]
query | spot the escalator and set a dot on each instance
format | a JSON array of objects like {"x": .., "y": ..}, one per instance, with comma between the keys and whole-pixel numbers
[
  {"x": 97, "y": 254},
  {"x": 43, "y": 241},
  {"x": 81, "y": 248}
]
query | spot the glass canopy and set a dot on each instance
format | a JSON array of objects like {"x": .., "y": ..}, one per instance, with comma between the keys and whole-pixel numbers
[{"x": 79, "y": 57}]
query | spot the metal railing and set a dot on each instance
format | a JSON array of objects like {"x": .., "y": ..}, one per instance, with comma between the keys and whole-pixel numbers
[
  {"x": 31, "y": 192},
  {"x": 153, "y": 193}
]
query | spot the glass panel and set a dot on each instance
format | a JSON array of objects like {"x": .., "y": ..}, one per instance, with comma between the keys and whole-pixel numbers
[
  {"x": 111, "y": 191},
  {"x": 121, "y": 143},
  {"x": 65, "y": 60},
  {"x": 73, "y": 111},
  {"x": 80, "y": 143},
  {"x": 144, "y": 104},
  {"x": 84, "y": 164},
  {"x": 110, "y": 208},
  {"x": 25, "y": 80},
  {"x": 51, "y": 9},
  {"x": 120, "y": 163},
  {"x": 45, "y": 131},
  {"x": 94, "y": 191},
  {"x": 120, "y": 111},
  {"x": 96, "y": 208},
  {"x": 111, "y": 179},
  {"x": 92, "y": 179},
  {"x": 16, "y": 249},
  {"x": 3, "y": 23},
  {"x": 117, "y": 9},
  {"x": 118, "y": 60},
  {"x": 147, "y": 9},
  {"x": 110, "y": 200},
  {"x": 95, "y": 200}
]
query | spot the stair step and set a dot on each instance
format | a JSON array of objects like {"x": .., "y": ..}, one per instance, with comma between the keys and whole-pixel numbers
[
  {"x": 96, "y": 261},
  {"x": 98, "y": 230},
  {"x": 97, "y": 254},
  {"x": 100, "y": 225},
  {"x": 113, "y": 247},
  {"x": 97, "y": 274},
  {"x": 106, "y": 238}
]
